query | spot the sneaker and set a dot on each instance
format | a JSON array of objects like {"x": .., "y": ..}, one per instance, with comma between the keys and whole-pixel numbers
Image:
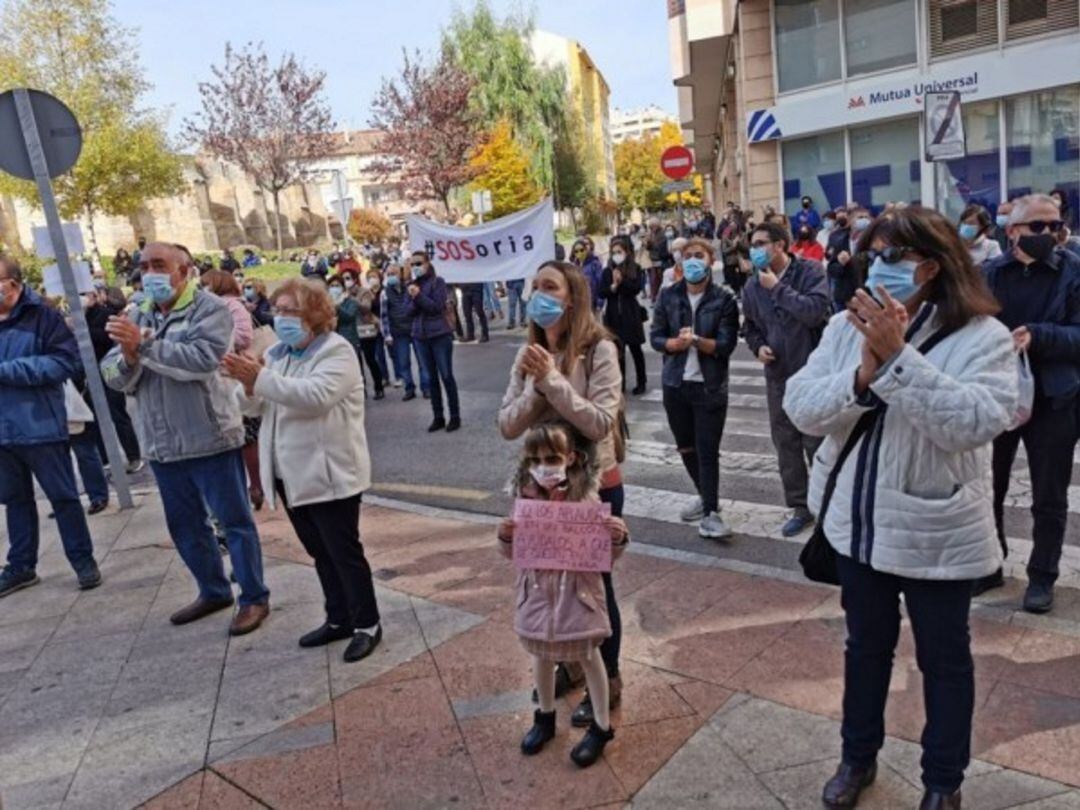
[
  {"x": 89, "y": 577},
  {"x": 399, "y": 383},
  {"x": 713, "y": 527},
  {"x": 12, "y": 580},
  {"x": 1038, "y": 598},
  {"x": 797, "y": 524},
  {"x": 135, "y": 466},
  {"x": 693, "y": 513}
]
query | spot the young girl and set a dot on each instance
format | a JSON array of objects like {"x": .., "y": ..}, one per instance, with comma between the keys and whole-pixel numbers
[{"x": 562, "y": 615}]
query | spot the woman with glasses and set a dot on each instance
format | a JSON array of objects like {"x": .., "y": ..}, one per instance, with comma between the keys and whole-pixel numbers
[
  {"x": 908, "y": 387},
  {"x": 314, "y": 456},
  {"x": 584, "y": 257},
  {"x": 696, "y": 327}
]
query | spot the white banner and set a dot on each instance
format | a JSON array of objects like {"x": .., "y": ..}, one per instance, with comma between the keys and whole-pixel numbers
[{"x": 507, "y": 248}]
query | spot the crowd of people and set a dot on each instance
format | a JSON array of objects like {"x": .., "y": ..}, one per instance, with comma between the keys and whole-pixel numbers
[{"x": 892, "y": 344}]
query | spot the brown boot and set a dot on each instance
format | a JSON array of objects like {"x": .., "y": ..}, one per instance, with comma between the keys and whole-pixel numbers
[
  {"x": 248, "y": 618},
  {"x": 198, "y": 609}
]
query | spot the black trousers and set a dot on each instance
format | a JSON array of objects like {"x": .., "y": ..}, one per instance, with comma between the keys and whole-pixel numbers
[
  {"x": 125, "y": 431},
  {"x": 639, "y": 362},
  {"x": 330, "y": 533},
  {"x": 1049, "y": 439},
  {"x": 696, "y": 418},
  {"x": 369, "y": 350},
  {"x": 938, "y": 610},
  {"x": 609, "y": 649},
  {"x": 473, "y": 302}
]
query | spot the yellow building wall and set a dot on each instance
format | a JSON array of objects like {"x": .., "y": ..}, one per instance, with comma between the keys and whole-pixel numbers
[{"x": 592, "y": 102}]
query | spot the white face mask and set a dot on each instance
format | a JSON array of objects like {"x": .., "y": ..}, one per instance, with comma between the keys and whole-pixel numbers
[
  {"x": 548, "y": 477},
  {"x": 676, "y": 255},
  {"x": 618, "y": 258}
]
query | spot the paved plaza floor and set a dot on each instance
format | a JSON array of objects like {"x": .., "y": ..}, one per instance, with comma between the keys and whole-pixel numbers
[{"x": 732, "y": 687}]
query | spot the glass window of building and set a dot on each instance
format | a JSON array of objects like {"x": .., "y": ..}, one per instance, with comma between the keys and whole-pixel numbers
[
  {"x": 815, "y": 167},
  {"x": 1042, "y": 141},
  {"x": 885, "y": 163},
  {"x": 977, "y": 177},
  {"x": 864, "y": 23},
  {"x": 807, "y": 42}
]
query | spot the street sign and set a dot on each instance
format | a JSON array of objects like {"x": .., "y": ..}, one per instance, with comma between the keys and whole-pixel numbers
[
  {"x": 677, "y": 186},
  {"x": 43, "y": 246},
  {"x": 342, "y": 205},
  {"x": 481, "y": 202},
  {"x": 944, "y": 126},
  {"x": 677, "y": 162},
  {"x": 40, "y": 139}
]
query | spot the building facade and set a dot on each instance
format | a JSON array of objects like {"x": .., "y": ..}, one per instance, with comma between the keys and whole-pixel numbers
[
  {"x": 590, "y": 95},
  {"x": 637, "y": 124},
  {"x": 785, "y": 98}
]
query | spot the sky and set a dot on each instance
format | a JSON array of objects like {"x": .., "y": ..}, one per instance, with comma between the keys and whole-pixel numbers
[{"x": 358, "y": 41}]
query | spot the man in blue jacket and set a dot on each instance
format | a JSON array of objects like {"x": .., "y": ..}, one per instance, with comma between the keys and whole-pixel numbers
[
  {"x": 1037, "y": 284},
  {"x": 37, "y": 353}
]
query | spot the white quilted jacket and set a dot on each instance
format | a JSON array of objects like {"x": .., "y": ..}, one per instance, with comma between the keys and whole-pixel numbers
[{"x": 914, "y": 497}]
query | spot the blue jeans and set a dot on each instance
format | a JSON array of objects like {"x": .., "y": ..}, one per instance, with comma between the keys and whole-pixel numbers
[
  {"x": 438, "y": 355},
  {"x": 187, "y": 488},
  {"x": 91, "y": 470},
  {"x": 491, "y": 299},
  {"x": 938, "y": 610},
  {"x": 401, "y": 351},
  {"x": 514, "y": 291},
  {"x": 51, "y": 465}
]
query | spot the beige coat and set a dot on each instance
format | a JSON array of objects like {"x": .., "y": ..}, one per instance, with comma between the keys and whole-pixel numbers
[
  {"x": 312, "y": 435},
  {"x": 590, "y": 405}
]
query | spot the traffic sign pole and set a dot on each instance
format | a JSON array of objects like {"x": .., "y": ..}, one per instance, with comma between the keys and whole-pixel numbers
[{"x": 82, "y": 333}]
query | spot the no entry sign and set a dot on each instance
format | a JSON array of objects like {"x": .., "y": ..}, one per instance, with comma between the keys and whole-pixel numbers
[{"x": 677, "y": 162}]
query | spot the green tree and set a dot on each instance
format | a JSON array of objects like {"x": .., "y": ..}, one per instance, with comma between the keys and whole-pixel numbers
[
  {"x": 638, "y": 179},
  {"x": 77, "y": 51},
  {"x": 575, "y": 165},
  {"x": 503, "y": 169},
  {"x": 507, "y": 83}
]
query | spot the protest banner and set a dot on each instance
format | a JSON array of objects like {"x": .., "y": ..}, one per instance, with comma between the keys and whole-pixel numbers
[
  {"x": 503, "y": 249},
  {"x": 562, "y": 536}
]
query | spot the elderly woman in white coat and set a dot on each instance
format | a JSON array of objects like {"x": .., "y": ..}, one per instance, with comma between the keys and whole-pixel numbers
[
  {"x": 313, "y": 454},
  {"x": 909, "y": 393}
]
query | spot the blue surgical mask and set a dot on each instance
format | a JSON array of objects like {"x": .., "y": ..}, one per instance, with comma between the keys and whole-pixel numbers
[
  {"x": 250, "y": 294},
  {"x": 898, "y": 278},
  {"x": 759, "y": 257},
  {"x": 1002, "y": 220},
  {"x": 968, "y": 231},
  {"x": 158, "y": 286},
  {"x": 418, "y": 271},
  {"x": 290, "y": 330},
  {"x": 695, "y": 270},
  {"x": 392, "y": 281},
  {"x": 862, "y": 223},
  {"x": 544, "y": 309}
]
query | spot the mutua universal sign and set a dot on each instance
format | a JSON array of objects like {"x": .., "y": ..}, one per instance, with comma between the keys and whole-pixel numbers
[{"x": 915, "y": 91}]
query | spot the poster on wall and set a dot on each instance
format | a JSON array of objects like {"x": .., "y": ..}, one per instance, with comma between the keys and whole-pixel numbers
[{"x": 944, "y": 126}]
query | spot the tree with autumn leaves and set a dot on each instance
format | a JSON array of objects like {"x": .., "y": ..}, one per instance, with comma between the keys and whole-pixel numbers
[
  {"x": 638, "y": 179},
  {"x": 502, "y": 167}
]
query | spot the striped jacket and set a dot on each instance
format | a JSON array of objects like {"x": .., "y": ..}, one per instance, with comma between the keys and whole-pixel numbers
[{"x": 914, "y": 497}]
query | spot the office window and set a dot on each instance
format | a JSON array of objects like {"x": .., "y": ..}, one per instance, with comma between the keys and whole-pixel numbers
[
  {"x": 1042, "y": 140},
  {"x": 1026, "y": 18},
  {"x": 815, "y": 167},
  {"x": 879, "y": 34},
  {"x": 961, "y": 25},
  {"x": 977, "y": 177},
  {"x": 807, "y": 42},
  {"x": 885, "y": 163}
]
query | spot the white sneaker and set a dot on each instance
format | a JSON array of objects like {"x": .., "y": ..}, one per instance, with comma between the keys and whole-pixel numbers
[
  {"x": 135, "y": 466},
  {"x": 694, "y": 512},
  {"x": 398, "y": 383},
  {"x": 713, "y": 527}
]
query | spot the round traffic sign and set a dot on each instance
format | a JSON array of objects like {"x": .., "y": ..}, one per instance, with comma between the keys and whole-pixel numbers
[
  {"x": 677, "y": 162},
  {"x": 61, "y": 137}
]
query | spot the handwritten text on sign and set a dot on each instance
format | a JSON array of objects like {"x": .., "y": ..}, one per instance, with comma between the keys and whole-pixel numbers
[{"x": 562, "y": 536}]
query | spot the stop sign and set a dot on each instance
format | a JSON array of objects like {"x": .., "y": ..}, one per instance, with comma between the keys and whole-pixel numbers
[{"x": 677, "y": 162}]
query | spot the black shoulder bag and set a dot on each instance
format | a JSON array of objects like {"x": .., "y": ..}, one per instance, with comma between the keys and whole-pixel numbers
[{"x": 818, "y": 557}]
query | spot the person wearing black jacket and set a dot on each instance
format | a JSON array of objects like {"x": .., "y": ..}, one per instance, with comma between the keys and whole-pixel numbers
[
  {"x": 620, "y": 286},
  {"x": 1038, "y": 287},
  {"x": 845, "y": 263},
  {"x": 696, "y": 327},
  {"x": 657, "y": 243}
]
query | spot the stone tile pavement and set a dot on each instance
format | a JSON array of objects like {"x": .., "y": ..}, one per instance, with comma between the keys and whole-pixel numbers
[{"x": 732, "y": 688}]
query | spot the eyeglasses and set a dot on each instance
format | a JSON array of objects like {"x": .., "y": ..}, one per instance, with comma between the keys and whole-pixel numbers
[
  {"x": 890, "y": 255},
  {"x": 761, "y": 243},
  {"x": 287, "y": 311},
  {"x": 1039, "y": 225},
  {"x": 416, "y": 265}
]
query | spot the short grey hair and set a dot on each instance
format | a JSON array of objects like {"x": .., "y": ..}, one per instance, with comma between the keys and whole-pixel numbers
[
  {"x": 1021, "y": 206},
  {"x": 11, "y": 268}
]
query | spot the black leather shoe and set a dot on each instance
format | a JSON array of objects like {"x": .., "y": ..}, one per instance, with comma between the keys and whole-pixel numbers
[
  {"x": 409, "y": 397},
  {"x": 324, "y": 635},
  {"x": 89, "y": 577},
  {"x": 1038, "y": 598},
  {"x": 362, "y": 646},
  {"x": 453, "y": 424},
  {"x": 844, "y": 788},
  {"x": 543, "y": 729},
  {"x": 638, "y": 390},
  {"x": 437, "y": 425},
  {"x": 932, "y": 800},
  {"x": 590, "y": 748},
  {"x": 988, "y": 583},
  {"x": 380, "y": 395},
  {"x": 97, "y": 507}
]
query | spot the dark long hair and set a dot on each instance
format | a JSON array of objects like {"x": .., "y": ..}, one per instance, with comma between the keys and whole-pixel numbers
[
  {"x": 630, "y": 270},
  {"x": 958, "y": 290}
]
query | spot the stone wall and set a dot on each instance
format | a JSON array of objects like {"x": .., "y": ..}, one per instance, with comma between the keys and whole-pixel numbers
[{"x": 221, "y": 208}]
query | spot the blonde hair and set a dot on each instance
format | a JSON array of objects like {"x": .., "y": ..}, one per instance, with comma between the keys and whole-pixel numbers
[
  {"x": 312, "y": 299},
  {"x": 583, "y": 330},
  {"x": 704, "y": 244},
  {"x": 582, "y": 473}
]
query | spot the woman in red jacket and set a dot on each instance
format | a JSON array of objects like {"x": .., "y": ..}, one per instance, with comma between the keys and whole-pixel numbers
[{"x": 806, "y": 245}]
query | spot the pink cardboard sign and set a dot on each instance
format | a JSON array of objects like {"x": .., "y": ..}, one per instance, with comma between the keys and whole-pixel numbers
[{"x": 562, "y": 536}]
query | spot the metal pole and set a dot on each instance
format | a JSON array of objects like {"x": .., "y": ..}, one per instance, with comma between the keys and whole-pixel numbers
[
  {"x": 71, "y": 291},
  {"x": 678, "y": 204}
]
